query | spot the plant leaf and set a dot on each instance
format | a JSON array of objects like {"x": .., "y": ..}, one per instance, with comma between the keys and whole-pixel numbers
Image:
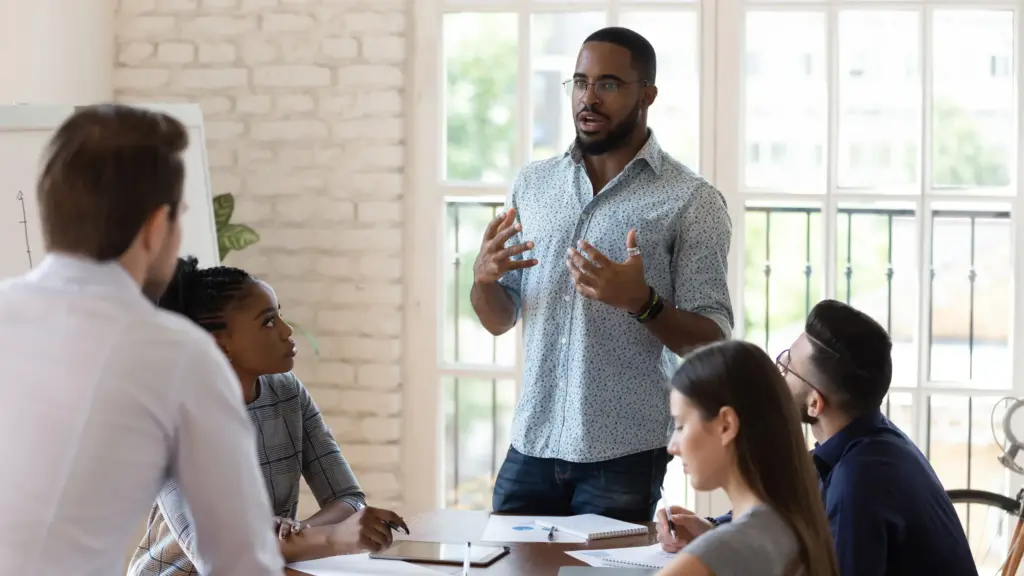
[
  {"x": 308, "y": 336},
  {"x": 223, "y": 208},
  {"x": 235, "y": 237}
]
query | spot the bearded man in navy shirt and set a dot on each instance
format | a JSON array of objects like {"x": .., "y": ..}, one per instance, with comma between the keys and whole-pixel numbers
[{"x": 887, "y": 510}]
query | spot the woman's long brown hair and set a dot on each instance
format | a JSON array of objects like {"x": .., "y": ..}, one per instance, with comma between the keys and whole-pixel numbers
[{"x": 770, "y": 448}]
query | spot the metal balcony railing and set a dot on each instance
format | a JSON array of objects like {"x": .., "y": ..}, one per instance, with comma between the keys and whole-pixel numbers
[{"x": 465, "y": 221}]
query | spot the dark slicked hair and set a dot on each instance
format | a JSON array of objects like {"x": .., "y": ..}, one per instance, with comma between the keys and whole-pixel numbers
[
  {"x": 853, "y": 353},
  {"x": 106, "y": 170},
  {"x": 644, "y": 60}
]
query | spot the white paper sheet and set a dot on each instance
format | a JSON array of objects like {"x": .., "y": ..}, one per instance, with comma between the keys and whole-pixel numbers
[
  {"x": 358, "y": 565},
  {"x": 523, "y": 529},
  {"x": 591, "y": 557},
  {"x": 646, "y": 556}
]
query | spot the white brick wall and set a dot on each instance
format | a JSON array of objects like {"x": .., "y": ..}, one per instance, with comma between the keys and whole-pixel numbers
[{"x": 305, "y": 116}]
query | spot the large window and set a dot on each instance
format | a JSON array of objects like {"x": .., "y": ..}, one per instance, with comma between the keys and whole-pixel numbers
[{"x": 835, "y": 128}]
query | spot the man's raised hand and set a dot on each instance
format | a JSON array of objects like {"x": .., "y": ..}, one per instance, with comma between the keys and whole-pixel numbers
[{"x": 495, "y": 259}]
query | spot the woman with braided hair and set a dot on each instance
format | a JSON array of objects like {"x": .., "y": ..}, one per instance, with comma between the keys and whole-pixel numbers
[{"x": 244, "y": 317}]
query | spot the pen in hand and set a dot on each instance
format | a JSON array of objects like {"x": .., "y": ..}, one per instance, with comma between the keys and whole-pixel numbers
[
  {"x": 465, "y": 561},
  {"x": 668, "y": 515},
  {"x": 396, "y": 527}
]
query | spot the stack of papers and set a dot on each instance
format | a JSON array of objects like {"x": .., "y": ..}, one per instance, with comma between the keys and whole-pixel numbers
[
  {"x": 645, "y": 556},
  {"x": 595, "y": 527},
  {"x": 525, "y": 529},
  {"x": 358, "y": 565}
]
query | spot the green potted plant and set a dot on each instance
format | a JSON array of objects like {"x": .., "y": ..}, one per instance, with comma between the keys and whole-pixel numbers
[{"x": 230, "y": 237}]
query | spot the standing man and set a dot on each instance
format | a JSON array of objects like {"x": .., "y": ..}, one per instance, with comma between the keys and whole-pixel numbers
[
  {"x": 614, "y": 254},
  {"x": 107, "y": 397}
]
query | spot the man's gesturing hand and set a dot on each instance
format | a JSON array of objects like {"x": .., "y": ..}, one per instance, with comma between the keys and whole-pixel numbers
[
  {"x": 598, "y": 277},
  {"x": 495, "y": 259}
]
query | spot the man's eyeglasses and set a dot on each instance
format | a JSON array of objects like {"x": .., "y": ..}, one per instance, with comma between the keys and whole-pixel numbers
[
  {"x": 607, "y": 88},
  {"x": 782, "y": 363}
]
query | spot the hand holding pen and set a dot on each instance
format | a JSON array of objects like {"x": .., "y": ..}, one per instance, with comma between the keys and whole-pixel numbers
[
  {"x": 395, "y": 527},
  {"x": 368, "y": 529},
  {"x": 677, "y": 526}
]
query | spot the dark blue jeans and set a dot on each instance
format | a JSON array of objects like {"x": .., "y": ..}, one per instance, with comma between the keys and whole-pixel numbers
[{"x": 626, "y": 488}]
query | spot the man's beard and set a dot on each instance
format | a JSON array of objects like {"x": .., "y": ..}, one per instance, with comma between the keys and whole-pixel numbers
[
  {"x": 154, "y": 288},
  {"x": 616, "y": 137},
  {"x": 806, "y": 417},
  {"x": 157, "y": 278}
]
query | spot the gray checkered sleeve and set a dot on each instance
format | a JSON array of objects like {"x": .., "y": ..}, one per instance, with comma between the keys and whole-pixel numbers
[
  {"x": 328, "y": 474},
  {"x": 167, "y": 547}
]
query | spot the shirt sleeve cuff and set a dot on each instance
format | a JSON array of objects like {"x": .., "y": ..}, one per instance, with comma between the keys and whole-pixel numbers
[
  {"x": 356, "y": 502},
  {"x": 719, "y": 319},
  {"x": 517, "y": 299}
]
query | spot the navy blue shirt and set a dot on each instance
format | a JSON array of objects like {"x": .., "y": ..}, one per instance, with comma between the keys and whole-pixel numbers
[{"x": 887, "y": 510}]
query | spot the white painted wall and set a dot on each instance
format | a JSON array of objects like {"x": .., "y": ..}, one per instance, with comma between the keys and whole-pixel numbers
[{"x": 56, "y": 51}]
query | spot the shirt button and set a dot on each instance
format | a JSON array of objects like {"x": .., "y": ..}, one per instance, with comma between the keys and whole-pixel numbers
[
  {"x": 563, "y": 340},
  {"x": 568, "y": 297}
]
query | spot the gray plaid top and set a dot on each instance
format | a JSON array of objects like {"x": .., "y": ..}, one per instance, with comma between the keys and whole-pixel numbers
[{"x": 291, "y": 439}]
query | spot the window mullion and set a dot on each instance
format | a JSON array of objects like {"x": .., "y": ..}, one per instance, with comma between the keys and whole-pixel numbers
[
  {"x": 922, "y": 425},
  {"x": 829, "y": 224},
  {"x": 1017, "y": 333},
  {"x": 729, "y": 19},
  {"x": 524, "y": 86},
  {"x": 708, "y": 73}
]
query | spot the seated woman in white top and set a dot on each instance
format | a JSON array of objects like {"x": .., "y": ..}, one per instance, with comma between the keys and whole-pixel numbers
[{"x": 737, "y": 428}]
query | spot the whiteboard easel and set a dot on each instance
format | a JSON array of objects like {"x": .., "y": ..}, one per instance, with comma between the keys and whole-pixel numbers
[{"x": 24, "y": 132}]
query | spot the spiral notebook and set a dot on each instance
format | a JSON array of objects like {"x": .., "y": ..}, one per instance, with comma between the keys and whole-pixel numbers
[
  {"x": 594, "y": 527},
  {"x": 647, "y": 557},
  {"x": 651, "y": 557}
]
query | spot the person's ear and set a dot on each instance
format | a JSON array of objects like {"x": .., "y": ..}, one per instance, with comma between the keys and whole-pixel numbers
[
  {"x": 155, "y": 230},
  {"x": 815, "y": 404},
  {"x": 728, "y": 423},
  {"x": 650, "y": 95}
]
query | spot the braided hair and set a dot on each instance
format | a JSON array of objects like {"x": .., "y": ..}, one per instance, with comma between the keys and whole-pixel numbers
[{"x": 202, "y": 295}]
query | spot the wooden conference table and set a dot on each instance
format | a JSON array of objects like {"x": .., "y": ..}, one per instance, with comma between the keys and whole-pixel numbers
[{"x": 532, "y": 559}]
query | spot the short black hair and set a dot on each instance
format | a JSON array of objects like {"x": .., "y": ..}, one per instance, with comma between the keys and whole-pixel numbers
[
  {"x": 853, "y": 353},
  {"x": 106, "y": 170},
  {"x": 204, "y": 294},
  {"x": 644, "y": 60}
]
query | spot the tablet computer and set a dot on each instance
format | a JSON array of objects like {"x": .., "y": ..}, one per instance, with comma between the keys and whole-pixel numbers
[{"x": 436, "y": 553}]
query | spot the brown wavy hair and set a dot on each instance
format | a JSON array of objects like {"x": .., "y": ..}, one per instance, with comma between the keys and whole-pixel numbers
[{"x": 771, "y": 452}]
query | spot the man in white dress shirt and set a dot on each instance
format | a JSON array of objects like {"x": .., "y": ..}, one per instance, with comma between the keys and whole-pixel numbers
[{"x": 104, "y": 395}]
